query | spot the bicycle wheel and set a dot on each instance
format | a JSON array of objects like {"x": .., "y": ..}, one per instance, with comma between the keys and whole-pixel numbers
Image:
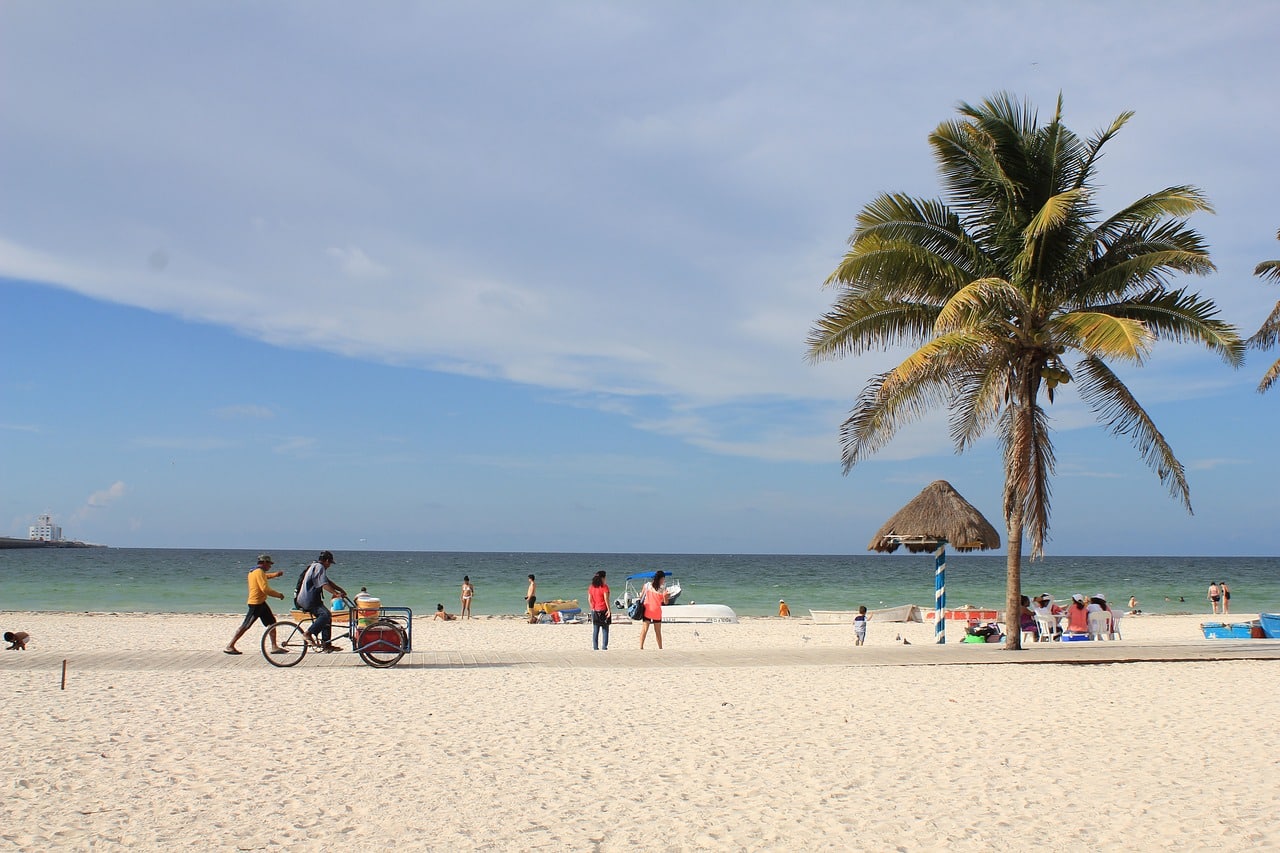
[
  {"x": 382, "y": 644},
  {"x": 291, "y": 638}
]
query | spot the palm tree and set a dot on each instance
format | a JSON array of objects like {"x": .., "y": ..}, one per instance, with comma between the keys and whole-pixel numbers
[
  {"x": 997, "y": 284},
  {"x": 1266, "y": 337}
]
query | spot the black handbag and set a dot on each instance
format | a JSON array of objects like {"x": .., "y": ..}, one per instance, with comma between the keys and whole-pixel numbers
[{"x": 636, "y": 609}]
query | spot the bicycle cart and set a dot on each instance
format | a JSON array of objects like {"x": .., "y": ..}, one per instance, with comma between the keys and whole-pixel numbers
[{"x": 381, "y": 639}]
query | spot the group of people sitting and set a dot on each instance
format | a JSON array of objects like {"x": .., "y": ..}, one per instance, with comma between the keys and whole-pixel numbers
[{"x": 1046, "y": 621}]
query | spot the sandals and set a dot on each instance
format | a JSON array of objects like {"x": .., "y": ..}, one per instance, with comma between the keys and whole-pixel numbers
[{"x": 232, "y": 652}]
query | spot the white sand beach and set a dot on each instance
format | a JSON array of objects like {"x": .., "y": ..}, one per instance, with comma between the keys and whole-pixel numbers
[{"x": 768, "y": 734}]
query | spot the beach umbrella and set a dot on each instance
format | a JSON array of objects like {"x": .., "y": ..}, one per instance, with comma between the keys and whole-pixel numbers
[{"x": 937, "y": 516}]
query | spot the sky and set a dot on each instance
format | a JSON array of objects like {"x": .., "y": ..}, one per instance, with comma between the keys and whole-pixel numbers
[{"x": 512, "y": 276}]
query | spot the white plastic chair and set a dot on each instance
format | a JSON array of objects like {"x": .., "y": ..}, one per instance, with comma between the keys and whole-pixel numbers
[
  {"x": 1099, "y": 625},
  {"x": 1115, "y": 625},
  {"x": 1048, "y": 627}
]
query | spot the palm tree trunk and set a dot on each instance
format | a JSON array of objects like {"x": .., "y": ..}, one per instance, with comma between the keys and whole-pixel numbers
[
  {"x": 1017, "y": 464},
  {"x": 1013, "y": 582}
]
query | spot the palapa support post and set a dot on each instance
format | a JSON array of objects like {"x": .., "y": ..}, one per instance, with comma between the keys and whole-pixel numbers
[{"x": 940, "y": 593}]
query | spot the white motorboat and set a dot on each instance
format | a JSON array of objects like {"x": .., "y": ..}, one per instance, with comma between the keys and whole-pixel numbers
[
  {"x": 672, "y": 612},
  {"x": 635, "y": 585}
]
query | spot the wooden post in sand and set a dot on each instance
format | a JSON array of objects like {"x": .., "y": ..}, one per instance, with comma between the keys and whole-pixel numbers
[{"x": 64, "y": 673}]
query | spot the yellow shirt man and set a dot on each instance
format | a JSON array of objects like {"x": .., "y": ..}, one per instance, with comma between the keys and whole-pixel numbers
[{"x": 783, "y": 610}]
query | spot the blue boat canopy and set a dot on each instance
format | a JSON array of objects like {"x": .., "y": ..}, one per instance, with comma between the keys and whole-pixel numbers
[{"x": 645, "y": 576}]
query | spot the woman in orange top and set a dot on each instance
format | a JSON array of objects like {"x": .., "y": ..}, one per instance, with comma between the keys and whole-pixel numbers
[
  {"x": 1077, "y": 616},
  {"x": 654, "y": 595}
]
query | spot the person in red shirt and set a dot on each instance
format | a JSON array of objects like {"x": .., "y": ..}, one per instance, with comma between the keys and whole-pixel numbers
[{"x": 598, "y": 603}]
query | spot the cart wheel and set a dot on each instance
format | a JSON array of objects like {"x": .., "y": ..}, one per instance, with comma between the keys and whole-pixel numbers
[
  {"x": 382, "y": 644},
  {"x": 291, "y": 638}
]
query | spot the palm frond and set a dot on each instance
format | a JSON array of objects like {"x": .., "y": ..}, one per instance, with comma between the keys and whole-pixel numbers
[
  {"x": 1183, "y": 317},
  {"x": 1103, "y": 334},
  {"x": 980, "y": 395},
  {"x": 858, "y": 324},
  {"x": 981, "y": 298},
  {"x": 1269, "y": 378},
  {"x": 1269, "y": 333},
  {"x": 904, "y": 394},
  {"x": 1169, "y": 203},
  {"x": 1121, "y": 414},
  {"x": 1096, "y": 142},
  {"x": 1029, "y": 464}
]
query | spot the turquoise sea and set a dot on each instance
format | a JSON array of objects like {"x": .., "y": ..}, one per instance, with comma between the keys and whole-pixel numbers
[{"x": 161, "y": 580}]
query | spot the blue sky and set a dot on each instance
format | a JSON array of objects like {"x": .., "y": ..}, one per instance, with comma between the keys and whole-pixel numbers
[{"x": 538, "y": 276}]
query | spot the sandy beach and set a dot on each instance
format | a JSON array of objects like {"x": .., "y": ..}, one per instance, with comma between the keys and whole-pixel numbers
[{"x": 499, "y": 735}]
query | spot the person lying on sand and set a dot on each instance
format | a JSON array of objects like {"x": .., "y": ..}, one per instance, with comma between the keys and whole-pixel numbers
[
  {"x": 440, "y": 614},
  {"x": 17, "y": 640}
]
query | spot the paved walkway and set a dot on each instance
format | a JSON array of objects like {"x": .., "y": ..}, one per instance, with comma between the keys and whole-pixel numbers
[{"x": 951, "y": 655}]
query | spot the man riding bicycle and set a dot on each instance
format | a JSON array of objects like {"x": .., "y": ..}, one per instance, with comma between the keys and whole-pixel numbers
[{"x": 311, "y": 599}]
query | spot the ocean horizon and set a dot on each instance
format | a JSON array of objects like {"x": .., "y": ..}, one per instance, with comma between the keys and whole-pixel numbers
[{"x": 205, "y": 580}]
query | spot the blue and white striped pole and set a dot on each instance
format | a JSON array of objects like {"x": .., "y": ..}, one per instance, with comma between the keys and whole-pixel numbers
[{"x": 940, "y": 593}]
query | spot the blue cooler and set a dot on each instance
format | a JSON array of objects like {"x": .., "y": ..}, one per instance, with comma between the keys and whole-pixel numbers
[{"x": 1215, "y": 631}]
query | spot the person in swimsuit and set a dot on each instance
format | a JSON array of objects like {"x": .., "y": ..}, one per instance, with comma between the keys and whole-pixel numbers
[
  {"x": 1214, "y": 596},
  {"x": 467, "y": 592},
  {"x": 654, "y": 595},
  {"x": 442, "y": 615},
  {"x": 531, "y": 598},
  {"x": 1226, "y": 596}
]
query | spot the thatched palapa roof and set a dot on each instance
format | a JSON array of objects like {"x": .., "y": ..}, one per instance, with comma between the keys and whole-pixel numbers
[{"x": 939, "y": 513}]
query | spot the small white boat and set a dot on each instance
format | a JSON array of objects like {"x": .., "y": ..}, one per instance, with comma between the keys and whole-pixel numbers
[
  {"x": 902, "y": 613},
  {"x": 687, "y": 613},
  {"x": 833, "y": 617}
]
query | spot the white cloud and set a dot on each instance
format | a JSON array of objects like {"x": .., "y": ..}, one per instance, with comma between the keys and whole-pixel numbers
[
  {"x": 355, "y": 263},
  {"x": 557, "y": 209},
  {"x": 297, "y": 446},
  {"x": 245, "y": 410},
  {"x": 107, "y": 496},
  {"x": 98, "y": 501}
]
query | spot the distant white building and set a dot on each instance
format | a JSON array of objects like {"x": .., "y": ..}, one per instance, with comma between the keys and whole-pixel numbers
[{"x": 44, "y": 530}]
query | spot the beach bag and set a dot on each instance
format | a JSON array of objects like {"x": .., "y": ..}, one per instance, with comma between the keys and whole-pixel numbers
[{"x": 636, "y": 609}]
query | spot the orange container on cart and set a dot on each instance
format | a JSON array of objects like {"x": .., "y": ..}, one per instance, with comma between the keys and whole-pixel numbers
[{"x": 367, "y": 611}]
